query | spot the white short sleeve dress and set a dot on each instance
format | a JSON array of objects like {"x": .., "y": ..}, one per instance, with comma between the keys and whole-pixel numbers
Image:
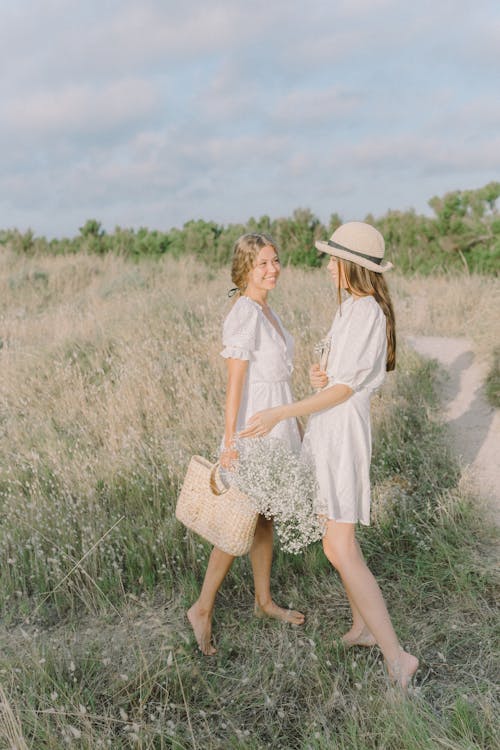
[
  {"x": 249, "y": 335},
  {"x": 339, "y": 439}
]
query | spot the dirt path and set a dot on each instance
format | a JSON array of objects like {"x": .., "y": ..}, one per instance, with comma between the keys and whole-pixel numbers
[{"x": 474, "y": 424}]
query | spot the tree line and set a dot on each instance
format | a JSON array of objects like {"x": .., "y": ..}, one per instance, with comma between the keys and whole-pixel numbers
[{"x": 462, "y": 234}]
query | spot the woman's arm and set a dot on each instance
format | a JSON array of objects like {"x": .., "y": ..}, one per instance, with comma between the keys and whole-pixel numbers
[
  {"x": 236, "y": 374},
  {"x": 263, "y": 422}
]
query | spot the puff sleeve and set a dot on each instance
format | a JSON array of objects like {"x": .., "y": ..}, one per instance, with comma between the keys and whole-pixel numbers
[
  {"x": 240, "y": 330},
  {"x": 364, "y": 350}
]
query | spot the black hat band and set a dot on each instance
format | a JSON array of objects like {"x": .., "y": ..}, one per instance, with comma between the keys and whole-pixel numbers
[{"x": 373, "y": 259}]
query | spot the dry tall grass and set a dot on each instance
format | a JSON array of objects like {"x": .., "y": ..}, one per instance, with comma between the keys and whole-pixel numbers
[
  {"x": 457, "y": 306},
  {"x": 111, "y": 373},
  {"x": 111, "y": 379},
  {"x": 99, "y": 354}
]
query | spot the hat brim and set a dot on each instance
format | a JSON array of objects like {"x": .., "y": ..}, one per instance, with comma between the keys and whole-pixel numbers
[{"x": 324, "y": 247}]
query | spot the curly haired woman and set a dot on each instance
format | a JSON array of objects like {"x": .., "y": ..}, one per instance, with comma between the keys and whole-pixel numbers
[{"x": 259, "y": 353}]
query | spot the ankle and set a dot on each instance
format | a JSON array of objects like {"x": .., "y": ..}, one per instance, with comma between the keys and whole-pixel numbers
[
  {"x": 263, "y": 603},
  {"x": 357, "y": 627},
  {"x": 200, "y": 610}
]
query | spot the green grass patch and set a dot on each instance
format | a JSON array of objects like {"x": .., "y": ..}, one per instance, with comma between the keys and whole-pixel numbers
[
  {"x": 108, "y": 659},
  {"x": 493, "y": 380}
]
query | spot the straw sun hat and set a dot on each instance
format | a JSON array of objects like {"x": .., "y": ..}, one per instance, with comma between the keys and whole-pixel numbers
[{"x": 358, "y": 242}]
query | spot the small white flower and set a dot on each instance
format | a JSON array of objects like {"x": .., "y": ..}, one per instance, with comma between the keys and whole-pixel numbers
[
  {"x": 322, "y": 349},
  {"x": 282, "y": 486}
]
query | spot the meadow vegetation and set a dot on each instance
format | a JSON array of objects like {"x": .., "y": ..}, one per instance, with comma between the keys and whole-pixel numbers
[
  {"x": 493, "y": 380},
  {"x": 462, "y": 235},
  {"x": 111, "y": 380}
]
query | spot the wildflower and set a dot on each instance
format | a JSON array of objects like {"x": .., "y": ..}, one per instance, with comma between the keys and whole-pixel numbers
[
  {"x": 322, "y": 349},
  {"x": 282, "y": 486}
]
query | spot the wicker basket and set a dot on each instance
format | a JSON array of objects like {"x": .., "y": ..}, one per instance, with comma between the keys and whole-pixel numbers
[{"x": 226, "y": 518}]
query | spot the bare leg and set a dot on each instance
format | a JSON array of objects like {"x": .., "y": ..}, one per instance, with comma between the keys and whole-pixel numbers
[
  {"x": 261, "y": 555},
  {"x": 200, "y": 613},
  {"x": 341, "y": 549},
  {"x": 359, "y": 634}
]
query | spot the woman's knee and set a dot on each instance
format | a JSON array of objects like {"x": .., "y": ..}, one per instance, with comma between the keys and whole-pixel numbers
[{"x": 338, "y": 551}]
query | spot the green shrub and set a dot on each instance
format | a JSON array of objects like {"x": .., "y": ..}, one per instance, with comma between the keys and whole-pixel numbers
[
  {"x": 493, "y": 380},
  {"x": 464, "y": 235}
]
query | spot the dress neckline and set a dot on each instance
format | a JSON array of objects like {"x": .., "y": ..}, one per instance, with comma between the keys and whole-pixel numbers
[{"x": 281, "y": 337}]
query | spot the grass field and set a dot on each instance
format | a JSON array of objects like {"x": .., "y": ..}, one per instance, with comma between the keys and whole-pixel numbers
[{"x": 111, "y": 379}]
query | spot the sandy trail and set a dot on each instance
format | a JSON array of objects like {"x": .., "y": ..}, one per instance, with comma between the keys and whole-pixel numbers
[{"x": 473, "y": 423}]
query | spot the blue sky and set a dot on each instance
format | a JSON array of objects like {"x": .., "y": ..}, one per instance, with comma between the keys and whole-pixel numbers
[{"x": 149, "y": 113}]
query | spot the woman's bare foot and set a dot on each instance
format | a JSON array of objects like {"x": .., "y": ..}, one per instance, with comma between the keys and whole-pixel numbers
[
  {"x": 271, "y": 609},
  {"x": 359, "y": 637},
  {"x": 201, "y": 622},
  {"x": 401, "y": 671}
]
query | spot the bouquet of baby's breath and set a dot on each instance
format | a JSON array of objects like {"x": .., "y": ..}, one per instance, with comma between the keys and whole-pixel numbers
[{"x": 283, "y": 486}]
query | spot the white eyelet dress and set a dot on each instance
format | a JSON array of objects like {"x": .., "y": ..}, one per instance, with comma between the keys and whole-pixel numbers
[
  {"x": 249, "y": 335},
  {"x": 339, "y": 438}
]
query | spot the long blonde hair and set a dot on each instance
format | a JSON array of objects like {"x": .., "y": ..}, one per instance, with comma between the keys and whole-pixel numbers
[
  {"x": 361, "y": 280},
  {"x": 245, "y": 251}
]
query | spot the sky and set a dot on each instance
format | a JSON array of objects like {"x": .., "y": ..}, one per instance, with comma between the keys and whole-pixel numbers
[{"x": 149, "y": 113}]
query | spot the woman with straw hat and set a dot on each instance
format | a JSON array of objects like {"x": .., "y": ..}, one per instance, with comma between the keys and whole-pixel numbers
[{"x": 362, "y": 347}]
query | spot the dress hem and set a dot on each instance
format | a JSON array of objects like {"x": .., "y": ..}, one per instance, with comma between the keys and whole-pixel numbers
[{"x": 342, "y": 520}]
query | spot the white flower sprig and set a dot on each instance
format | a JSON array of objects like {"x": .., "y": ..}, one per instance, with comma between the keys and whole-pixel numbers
[
  {"x": 282, "y": 486},
  {"x": 322, "y": 349}
]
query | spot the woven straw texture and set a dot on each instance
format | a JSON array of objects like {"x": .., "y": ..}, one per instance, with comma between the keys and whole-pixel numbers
[{"x": 227, "y": 521}]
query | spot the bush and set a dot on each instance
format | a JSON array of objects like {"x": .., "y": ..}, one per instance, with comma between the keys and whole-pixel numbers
[
  {"x": 493, "y": 380},
  {"x": 463, "y": 235}
]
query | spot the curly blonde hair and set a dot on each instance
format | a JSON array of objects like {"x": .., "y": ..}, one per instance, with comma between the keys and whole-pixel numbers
[{"x": 245, "y": 251}]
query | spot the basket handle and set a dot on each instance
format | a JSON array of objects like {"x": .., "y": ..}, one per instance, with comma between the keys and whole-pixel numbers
[{"x": 213, "y": 481}]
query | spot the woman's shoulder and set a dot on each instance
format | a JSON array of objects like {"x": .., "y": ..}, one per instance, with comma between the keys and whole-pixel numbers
[
  {"x": 359, "y": 314},
  {"x": 244, "y": 310},
  {"x": 366, "y": 306}
]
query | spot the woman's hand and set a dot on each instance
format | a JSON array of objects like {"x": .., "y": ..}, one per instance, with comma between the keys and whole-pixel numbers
[
  {"x": 228, "y": 457},
  {"x": 317, "y": 377},
  {"x": 261, "y": 423}
]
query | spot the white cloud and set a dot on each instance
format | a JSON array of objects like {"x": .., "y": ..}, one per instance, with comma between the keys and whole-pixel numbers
[
  {"x": 310, "y": 106},
  {"x": 155, "y": 112},
  {"x": 81, "y": 109},
  {"x": 426, "y": 155}
]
